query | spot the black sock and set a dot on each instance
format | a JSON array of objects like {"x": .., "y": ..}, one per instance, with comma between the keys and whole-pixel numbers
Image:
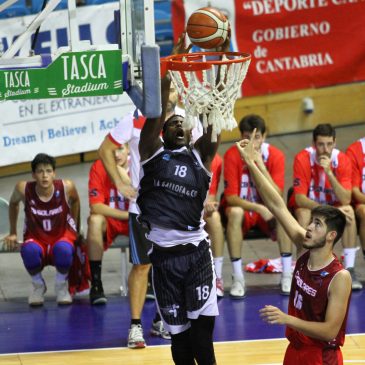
[
  {"x": 135, "y": 321},
  {"x": 285, "y": 254},
  {"x": 181, "y": 349},
  {"x": 363, "y": 252},
  {"x": 95, "y": 268},
  {"x": 201, "y": 336},
  {"x": 157, "y": 317}
]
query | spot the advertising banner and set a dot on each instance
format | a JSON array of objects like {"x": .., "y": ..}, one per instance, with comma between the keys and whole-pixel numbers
[
  {"x": 61, "y": 126},
  {"x": 71, "y": 74},
  {"x": 57, "y": 127},
  {"x": 294, "y": 44}
]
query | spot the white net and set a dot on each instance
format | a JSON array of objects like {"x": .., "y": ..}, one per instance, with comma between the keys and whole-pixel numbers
[{"x": 211, "y": 94}]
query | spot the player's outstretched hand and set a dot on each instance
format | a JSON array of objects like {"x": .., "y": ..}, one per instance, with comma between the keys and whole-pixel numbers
[
  {"x": 273, "y": 315},
  {"x": 180, "y": 46},
  {"x": 225, "y": 47},
  {"x": 246, "y": 148}
]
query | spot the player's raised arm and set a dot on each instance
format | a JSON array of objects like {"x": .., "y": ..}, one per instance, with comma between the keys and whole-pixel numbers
[
  {"x": 150, "y": 140},
  {"x": 272, "y": 199}
]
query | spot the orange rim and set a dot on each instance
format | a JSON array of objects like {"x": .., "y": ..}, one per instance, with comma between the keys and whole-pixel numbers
[{"x": 194, "y": 61}]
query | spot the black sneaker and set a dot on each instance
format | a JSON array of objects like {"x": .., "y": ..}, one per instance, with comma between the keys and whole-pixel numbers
[{"x": 97, "y": 295}]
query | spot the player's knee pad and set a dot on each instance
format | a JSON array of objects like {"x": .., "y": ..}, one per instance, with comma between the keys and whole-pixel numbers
[
  {"x": 62, "y": 255},
  {"x": 32, "y": 255},
  {"x": 202, "y": 339},
  {"x": 181, "y": 349}
]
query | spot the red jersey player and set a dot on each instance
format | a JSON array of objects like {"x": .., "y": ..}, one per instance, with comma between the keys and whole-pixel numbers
[
  {"x": 321, "y": 288},
  {"x": 244, "y": 208},
  {"x": 108, "y": 218},
  {"x": 50, "y": 230},
  {"x": 356, "y": 153},
  {"x": 322, "y": 175},
  {"x": 213, "y": 221}
]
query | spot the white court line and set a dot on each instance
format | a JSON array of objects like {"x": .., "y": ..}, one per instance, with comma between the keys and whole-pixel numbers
[
  {"x": 169, "y": 345},
  {"x": 349, "y": 361}
]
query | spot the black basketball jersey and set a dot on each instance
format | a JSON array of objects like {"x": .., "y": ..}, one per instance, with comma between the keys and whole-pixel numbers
[{"x": 173, "y": 189}]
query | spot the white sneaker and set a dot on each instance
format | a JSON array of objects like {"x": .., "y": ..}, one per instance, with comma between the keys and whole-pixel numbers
[
  {"x": 36, "y": 297},
  {"x": 62, "y": 293},
  {"x": 219, "y": 287},
  {"x": 158, "y": 329},
  {"x": 135, "y": 337},
  {"x": 238, "y": 287},
  {"x": 285, "y": 283},
  {"x": 356, "y": 284}
]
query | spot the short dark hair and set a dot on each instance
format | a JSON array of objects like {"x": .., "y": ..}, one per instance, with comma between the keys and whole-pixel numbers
[
  {"x": 250, "y": 122},
  {"x": 333, "y": 217},
  {"x": 44, "y": 159},
  {"x": 168, "y": 120},
  {"x": 324, "y": 130}
]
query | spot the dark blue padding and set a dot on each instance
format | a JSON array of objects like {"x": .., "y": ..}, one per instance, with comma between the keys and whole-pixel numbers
[
  {"x": 36, "y": 6},
  {"x": 148, "y": 98},
  {"x": 18, "y": 9},
  {"x": 98, "y": 2}
]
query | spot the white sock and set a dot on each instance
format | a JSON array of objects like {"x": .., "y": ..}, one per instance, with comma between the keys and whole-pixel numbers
[
  {"x": 286, "y": 262},
  {"x": 37, "y": 278},
  {"x": 349, "y": 257},
  {"x": 218, "y": 263},
  {"x": 60, "y": 278},
  {"x": 237, "y": 268}
]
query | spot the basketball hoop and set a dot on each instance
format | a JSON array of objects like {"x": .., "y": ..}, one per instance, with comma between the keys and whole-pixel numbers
[{"x": 208, "y": 84}]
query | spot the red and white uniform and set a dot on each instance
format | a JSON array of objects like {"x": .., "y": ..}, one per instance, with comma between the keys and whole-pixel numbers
[
  {"x": 102, "y": 190},
  {"x": 308, "y": 301},
  {"x": 311, "y": 180},
  {"x": 216, "y": 169},
  {"x": 356, "y": 153},
  {"x": 50, "y": 221},
  {"x": 237, "y": 180},
  {"x": 128, "y": 130}
]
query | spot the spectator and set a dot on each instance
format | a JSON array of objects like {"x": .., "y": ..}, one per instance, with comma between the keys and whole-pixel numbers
[
  {"x": 244, "y": 208},
  {"x": 108, "y": 217},
  {"x": 52, "y": 211},
  {"x": 322, "y": 175}
]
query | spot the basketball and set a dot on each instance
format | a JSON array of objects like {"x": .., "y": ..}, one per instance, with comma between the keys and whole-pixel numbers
[{"x": 207, "y": 28}]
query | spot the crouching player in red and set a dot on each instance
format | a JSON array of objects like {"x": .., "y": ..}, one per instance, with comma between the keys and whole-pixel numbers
[{"x": 51, "y": 207}]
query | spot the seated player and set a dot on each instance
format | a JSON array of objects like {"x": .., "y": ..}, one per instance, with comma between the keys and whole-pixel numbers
[
  {"x": 356, "y": 153},
  {"x": 51, "y": 208},
  {"x": 108, "y": 217},
  {"x": 322, "y": 175},
  {"x": 214, "y": 225},
  {"x": 243, "y": 206}
]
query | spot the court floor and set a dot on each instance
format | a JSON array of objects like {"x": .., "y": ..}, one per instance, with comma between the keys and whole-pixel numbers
[{"x": 82, "y": 334}]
